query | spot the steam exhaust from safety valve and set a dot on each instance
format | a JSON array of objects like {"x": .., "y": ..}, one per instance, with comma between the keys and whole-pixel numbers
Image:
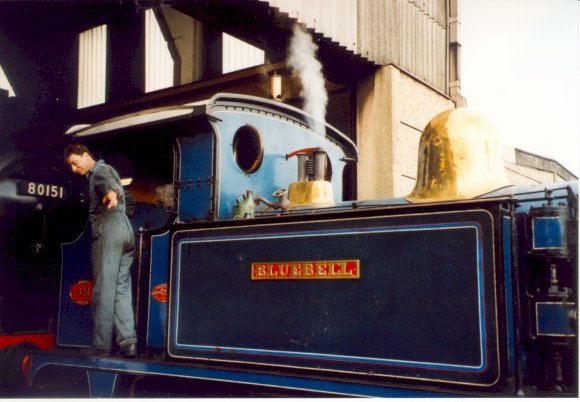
[{"x": 306, "y": 67}]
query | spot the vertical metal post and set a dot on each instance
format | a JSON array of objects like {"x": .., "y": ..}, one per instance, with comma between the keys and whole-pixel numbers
[
  {"x": 319, "y": 165},
  {"x": 142, "y": 293},
  {"x": 302, "y": 166},
  {"x": 517, "y": 313}
]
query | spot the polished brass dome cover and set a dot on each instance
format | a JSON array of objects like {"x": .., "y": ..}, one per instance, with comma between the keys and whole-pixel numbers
[{"x": 460, "y": 157}]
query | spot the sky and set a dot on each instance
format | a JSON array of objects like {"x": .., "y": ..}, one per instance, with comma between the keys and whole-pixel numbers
[{"x": 520, "y": 67}]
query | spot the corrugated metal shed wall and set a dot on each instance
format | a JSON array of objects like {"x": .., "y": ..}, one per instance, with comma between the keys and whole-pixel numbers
[
  {"x": 238, "y": 54},
  {"x": 409, "y": 33},
  {"x": 92, "y": 75},
  {"x": 418, "y": 29},
  {"x": 333, "y": 18},
  {"x": 158, "y": 61}
]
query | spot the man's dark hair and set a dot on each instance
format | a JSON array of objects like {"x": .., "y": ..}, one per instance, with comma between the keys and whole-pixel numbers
[{"x": 77, "y": 149}]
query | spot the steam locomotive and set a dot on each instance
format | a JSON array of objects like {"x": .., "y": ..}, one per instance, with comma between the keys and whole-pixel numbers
[{"x": 254, "y": 275}]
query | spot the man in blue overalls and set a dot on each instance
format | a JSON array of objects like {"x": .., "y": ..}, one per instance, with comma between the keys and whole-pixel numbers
[{"x": 112, "y": 251}]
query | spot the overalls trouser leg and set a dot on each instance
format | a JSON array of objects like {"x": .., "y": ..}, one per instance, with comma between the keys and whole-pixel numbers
[{"x": 112, "y": 256}]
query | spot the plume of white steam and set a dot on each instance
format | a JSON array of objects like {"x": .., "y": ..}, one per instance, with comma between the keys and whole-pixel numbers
[{"x": 304, "y": 64}]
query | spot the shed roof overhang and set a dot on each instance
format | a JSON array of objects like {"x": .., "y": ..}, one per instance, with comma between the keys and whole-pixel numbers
[{"x": 268, "y": 28}]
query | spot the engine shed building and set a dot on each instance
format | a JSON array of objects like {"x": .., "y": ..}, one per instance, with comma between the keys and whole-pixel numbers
[{"x": 388, "y": 67}]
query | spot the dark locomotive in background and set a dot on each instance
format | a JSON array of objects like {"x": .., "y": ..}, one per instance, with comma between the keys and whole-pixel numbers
[{"x": 255, "y": 275}]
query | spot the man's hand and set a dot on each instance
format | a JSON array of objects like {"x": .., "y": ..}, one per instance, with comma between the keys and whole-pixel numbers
[{"x": 110, "y": 199}]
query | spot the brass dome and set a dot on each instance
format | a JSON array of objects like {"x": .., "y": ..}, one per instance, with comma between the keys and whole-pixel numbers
[{"x": 460, "y": 157}]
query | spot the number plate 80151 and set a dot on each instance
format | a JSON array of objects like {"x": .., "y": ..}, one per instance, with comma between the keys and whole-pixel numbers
[{"x": 41, "y": 189}]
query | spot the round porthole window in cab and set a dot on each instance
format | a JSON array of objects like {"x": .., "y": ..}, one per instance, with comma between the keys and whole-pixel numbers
[{"x": 248, "y": 149}]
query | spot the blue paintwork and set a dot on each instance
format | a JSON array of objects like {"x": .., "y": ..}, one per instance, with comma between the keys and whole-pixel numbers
[
  {"x": 553, "y": 319},
  {"x": 196, "y": 167},
  {"x": 102, "y": 384},
  {"x": 280, "y": 137},
  {"x": 509, "y": 291},
  {"x": 548, "y": 232},
  {"x": 198, "y": 197},
  {"x": 159, "y": 274},
  {"x": 358, "y": 359},
  {"x": 75, "y": 325},
  {"x": 209, "y": 181},
  {"x": 224, "y": 257}
]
